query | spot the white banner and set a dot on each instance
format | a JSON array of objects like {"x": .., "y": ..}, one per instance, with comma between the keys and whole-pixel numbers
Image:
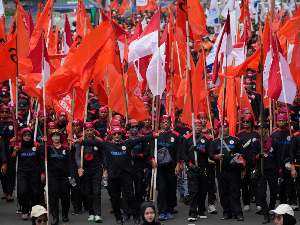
[{"x": 141, "y": 2}]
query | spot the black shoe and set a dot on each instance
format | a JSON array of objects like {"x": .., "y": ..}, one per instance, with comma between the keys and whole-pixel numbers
[
  {"x": 76, "y": 212},
  {"x": 55, "y": 220},
  {"x": 137, "y": 221},
  {"x": 227, "y": 217},
  {"x": 65, "y": 217},
  {"x": 186, "y": 200},
  {"x": 181, "y": 197},
  {"x": 175, "y": 211},
  {"x": 266, "y": 220},
  {"x": 252, "y": 199},
  {"x": 119, "y": 222},
  {"x": 239, "y": 218}
]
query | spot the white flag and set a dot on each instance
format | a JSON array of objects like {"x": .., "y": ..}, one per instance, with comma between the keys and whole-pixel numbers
[
  {"x": 263, "y": 12},
  {"x": 1, "y": 8},
  {"x": 213, "y": 13},
  {"x": 141, "y": 2}
]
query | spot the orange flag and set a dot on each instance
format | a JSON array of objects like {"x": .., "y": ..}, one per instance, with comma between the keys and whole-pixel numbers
[
  {"x": 245, "y": 19},
  {"x": 78, "y": 71},
  {"x": 8, "y": 60},
  {"x": 81, "y": 15},
  {"x": 115, "y": 5},
  {"x": 124, "y": 6},
  {"x": 39, "y": 12},
  {"x": 277, "y": 21},
  {"x": 289, "y": 30},
  {"x": 2, "y": 33},
  {"x": 295, "y": 64},
  {"x": 43, "y": 23}
]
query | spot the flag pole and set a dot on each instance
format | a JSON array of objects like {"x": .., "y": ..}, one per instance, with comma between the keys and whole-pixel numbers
[
  {"x": 171, "y": 81},
  {"x": 45, "y": 123},
  {"x": 157, "y": 106},
  {"x": 207, "y": 100},
  {"x": 85, "y": 107},
  {"x": 72, "y": 117},
  {"x": 261, "y": 109},
  {"x": 188, "y": 73},
  {"x": 109, "y": 116}
]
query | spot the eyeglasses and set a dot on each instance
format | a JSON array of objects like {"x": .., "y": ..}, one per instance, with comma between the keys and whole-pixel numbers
[
  {"x": 246, "y": 121},
  {"x": 277, "y": 217},
  {"x": 42, "y": 220},
  {"x": 4, "y": 112},
  {"x": 136, "y": 126},
  {"x": 117, "y": 133},
  {"x": 166, "y": 121}
]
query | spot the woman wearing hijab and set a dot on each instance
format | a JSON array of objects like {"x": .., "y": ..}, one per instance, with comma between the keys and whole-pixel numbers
[
  {"x": 148, "y": 214},
  {"x": 29, "y": 171},
  {"x": 60, "y": 168}
]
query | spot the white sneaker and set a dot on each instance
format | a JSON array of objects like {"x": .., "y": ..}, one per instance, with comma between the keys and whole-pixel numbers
[
  {"x": 91, "y": 218},
  {"x": 191, "y": 219},
  {"x": 98, "y": 219},
  {"x": 247, "y": 208},
  {"x": 212, "y": 209}
]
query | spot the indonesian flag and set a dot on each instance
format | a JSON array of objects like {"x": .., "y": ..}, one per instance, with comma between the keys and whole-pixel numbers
[
  {"x": 225, "y": 46},
  {"x": 147, "y": 43},
  {"x": 272, "y": 74},
  {"x": 45, "y": 67},
  {"x": 68, "y": 40}
]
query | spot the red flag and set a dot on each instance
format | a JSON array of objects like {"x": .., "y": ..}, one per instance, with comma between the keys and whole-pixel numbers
[
  {"x": 82, "y": 17},
  {"x": 114, "y": 5},
  {"x": 277, "y": 21},
  {"x": 30, "y": 25},
  {"x": 245, "y": 19},
  {"x": 124, "y": 7},
  {"x": 2, "y": 32},
  {"x": 8, "y": 60},
  {"x": 68, "y": 40},
  {"x": 289, "y": 30}
]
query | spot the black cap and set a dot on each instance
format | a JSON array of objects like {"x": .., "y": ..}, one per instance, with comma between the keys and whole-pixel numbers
[
  {"x": 4, "y": 93},
  {"x": 22, "y": 104},
  {"x": 265, "y": 125}
]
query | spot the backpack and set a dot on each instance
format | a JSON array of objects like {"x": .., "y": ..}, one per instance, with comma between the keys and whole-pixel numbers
[{"x": 163, "y": 155}]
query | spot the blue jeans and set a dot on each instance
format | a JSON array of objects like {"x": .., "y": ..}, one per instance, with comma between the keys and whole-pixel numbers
[{"x": 183, "y": 188}]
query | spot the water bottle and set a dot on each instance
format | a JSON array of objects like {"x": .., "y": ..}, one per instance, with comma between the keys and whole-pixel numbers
[
  {"x": 104, "y": 181},
  {"x": 71, "y": 182}
]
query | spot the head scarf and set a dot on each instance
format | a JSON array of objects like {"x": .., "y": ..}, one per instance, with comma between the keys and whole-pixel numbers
[{"x": 144, "y": 206}]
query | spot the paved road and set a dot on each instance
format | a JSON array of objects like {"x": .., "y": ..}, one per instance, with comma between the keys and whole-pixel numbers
[{"x": 9, "y": 217}]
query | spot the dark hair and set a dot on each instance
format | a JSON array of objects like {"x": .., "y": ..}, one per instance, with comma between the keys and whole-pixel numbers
[
  {"x": 33, "y": 220},
  {"x": 179, "y": 112},
  {"x": 288, "y": 219}
]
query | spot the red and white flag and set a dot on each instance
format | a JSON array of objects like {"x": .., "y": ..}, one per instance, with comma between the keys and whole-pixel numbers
[
  {"x": 45, "y": 67},
  {"x": 272, "y": 75},
  {"x": 147, "y": 43},
  {"x": 68, "y": 40},
  {"x": 225, "y": 46}
]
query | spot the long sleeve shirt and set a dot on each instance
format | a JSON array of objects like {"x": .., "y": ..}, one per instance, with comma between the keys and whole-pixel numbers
[{"x": 118, "y": 155}]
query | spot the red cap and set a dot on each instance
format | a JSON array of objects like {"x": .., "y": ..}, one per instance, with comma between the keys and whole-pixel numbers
[
  {"x": 250, "y": 118},
  {"x": 20, "y": 86},
  {"x": 211, "y": 91},
  {"x": 133, "y": 122},
  {"x": 283, "y": 111},
  {"x": 226, "y": 124},
  {"x": 103, "y": 109},
  {"x": 118, "y": 117},
  {"x": 52, "y": 125},
  {"x": 209, "y": 75},
  {"x": 88, "y": 125},
  {"x": 5, "y": 88},
  {"x": 116, "y": 130},
  {"x": 201, "y": 115},
  {"x": 115, "y": 122},
  {"x": 63, "y": 138},
  {"x": 165, "y": 117},
  {"x": 41, "y": 113},
  {"x": 4, "y": 107},
  {"x": 146, "y": 99},
  {"x": 78, "y": 122},
  {"x": 146, "y": 104},
  {"x": 198, "y": 122},
  {"x": 282, "y": 117},
  {"x": 9, "y": 104},
  {"x": 248, "y": 81},
  {"x": 62, "y": 113},
  {"x": 244, "y": 110},
  {"x": 24, "y": 130}
]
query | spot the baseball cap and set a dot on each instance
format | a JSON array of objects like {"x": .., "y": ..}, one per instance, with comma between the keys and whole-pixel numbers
[
  {"x": 23, "y": 104},
  {"x": 283, "y": 209},
  {"x": 37, "y": 211}
]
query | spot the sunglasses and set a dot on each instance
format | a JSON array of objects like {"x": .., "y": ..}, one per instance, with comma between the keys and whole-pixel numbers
[
  {"x": 117, "y": 133},
  {"x": 4, "y": 112},
  {"x": 136, "y": 126},
  {"x": 42, "y": 220},
  {"x": 166, "y": 121},
  {"x": 246, "y": 121},
  {"x": 278, "y": 217}
]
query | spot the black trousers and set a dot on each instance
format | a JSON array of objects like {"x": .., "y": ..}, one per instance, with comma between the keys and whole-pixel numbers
[
  {"x": 3, "y": 182},
  {"x": 166, "y": 187},
  {"x": 229, "y": 189},
  {"x": 76, "y": 195},
  {"x": 297, "y": 183},
  {"x": 10, "y": 178},
  {"x": 92, "y": 192},
  {"x": 262, "y": 192},
  {"x": 124, "y": 182},
  {"x": 246, "y": 185},
  {"x": 211, "y": 184},
  {"x": 197, "y": 187},
  {"x": 28, "y": 185},
  {"x": 287, "y": 189},
  {"x": 137, "y": 177},
  {"x": 59, "y": 188}
]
